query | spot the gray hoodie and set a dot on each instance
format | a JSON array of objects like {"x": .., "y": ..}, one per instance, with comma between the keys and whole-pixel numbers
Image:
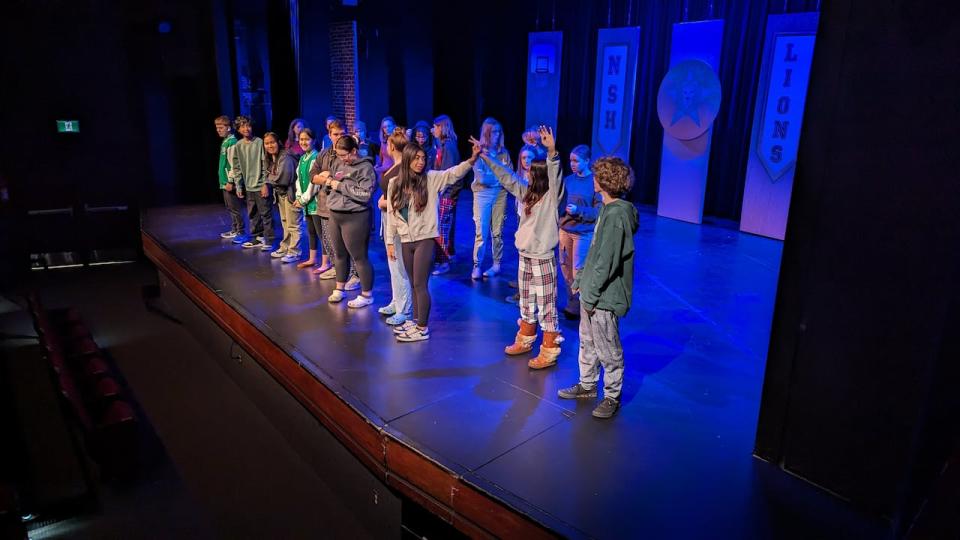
[
  {"x": 358, "y": 181},
  {"x": 422, "y": 225},
  {"x": 539, "y": 232}
]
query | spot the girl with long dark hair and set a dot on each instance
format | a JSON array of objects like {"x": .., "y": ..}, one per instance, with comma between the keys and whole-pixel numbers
[
  {"x": 281, "y": 174},
  {"x": 413, "y": 199},
  {"x": 536, "y": 239}
]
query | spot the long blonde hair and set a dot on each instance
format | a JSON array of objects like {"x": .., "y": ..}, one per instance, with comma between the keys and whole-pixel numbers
[{"x": 486, "y": 134}]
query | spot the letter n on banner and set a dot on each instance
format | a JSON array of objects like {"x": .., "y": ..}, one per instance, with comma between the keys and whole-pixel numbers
[
  {"x": 543, "y": 78},
  {"x": 617, "y": 52},
  {"x": 777, "y": 118}
]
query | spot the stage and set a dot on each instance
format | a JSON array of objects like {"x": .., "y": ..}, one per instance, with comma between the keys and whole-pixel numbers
[{"x": 477, "y": 437}]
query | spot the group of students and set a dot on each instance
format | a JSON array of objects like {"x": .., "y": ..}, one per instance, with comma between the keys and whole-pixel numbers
[{"x": 331, "y": 185}]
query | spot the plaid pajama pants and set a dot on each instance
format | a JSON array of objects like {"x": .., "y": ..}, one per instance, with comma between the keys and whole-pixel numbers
[
  {"x": 538, "y": 292},
  {"x": 444, "y": 222}
]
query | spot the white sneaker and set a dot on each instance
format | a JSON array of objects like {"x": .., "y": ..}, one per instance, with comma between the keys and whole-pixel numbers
[
  {"x": 416, "y": 334},
  {"x": 475, "y": 274},
  {"x": 406, "y": 326},
  {"x": 328, "y": 274},
  {"x": 290, "y": 257},
  {"x": 228, "y": 234},
  {"x": 277, "y": 254},
  {"x": 335, "y": 297},
  {"x": 360, "y": 301},
  {"x": 352, "y": 284},
  {"x": 492, "y": 271}
]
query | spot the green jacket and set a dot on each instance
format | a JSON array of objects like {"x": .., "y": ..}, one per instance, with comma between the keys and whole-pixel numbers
[
  {"x": 606, "y": 281},
  {"x": 224, "y": 168}
]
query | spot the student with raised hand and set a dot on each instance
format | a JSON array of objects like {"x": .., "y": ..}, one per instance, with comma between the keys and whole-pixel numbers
[
  {"x": 536, "y": 239},
  {"x": 281, "y": 171},
  {"x": 578, "y": 215},
  {"x": 413, "y": 200},
  {"x": 306, "y": 195},
  {"x": 232, "y": 202},
  {"x": 400, "y": 308},
  {"x": 489, "y": 200},
  {"x": 349, "y": 187},
  {"x": 443, "y": 156},
  {"x": 249, "y": 173}
]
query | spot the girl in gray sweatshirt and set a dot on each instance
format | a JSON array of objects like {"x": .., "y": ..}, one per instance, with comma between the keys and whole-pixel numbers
[{"x": 536, "y": 240}]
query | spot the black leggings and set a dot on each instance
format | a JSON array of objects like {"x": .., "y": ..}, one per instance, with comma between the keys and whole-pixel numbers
[
  {"x": 313, "y": 230},
  {"x": 351, "y": 239},
  {"x": 418, "y": 261}
]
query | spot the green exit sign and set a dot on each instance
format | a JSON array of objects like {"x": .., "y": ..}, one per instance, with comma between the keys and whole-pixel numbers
[{"x": 68, "y": 126}]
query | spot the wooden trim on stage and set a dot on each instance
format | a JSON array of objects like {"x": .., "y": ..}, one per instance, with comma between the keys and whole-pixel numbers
[{"x": 436, "y": 488}]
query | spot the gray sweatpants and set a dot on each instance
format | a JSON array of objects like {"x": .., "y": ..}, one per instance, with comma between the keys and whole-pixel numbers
[{"x": 600, "y": 345}]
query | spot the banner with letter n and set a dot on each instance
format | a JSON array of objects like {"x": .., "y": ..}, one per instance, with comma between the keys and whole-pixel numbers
[
  {"x": 543, "y": 78},
  {"x": 687, "y": 104},
  {"x": 777, "y": 118},
  {"x": 617, "y": 53}
]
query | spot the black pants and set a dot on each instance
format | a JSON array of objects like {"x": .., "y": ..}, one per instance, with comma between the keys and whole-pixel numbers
[
  {"x": 235, "y": 208},
  {"x": 351, "y": 239},
  {"x": 418, "y": 261},
  {"x": 261, "y": 215},
  {"x": 314, "y": 230}
]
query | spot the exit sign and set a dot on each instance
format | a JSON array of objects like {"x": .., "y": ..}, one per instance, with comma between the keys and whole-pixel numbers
[{"x": 68, "y": 126}]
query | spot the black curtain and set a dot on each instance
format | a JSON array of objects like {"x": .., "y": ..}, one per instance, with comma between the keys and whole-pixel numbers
[{"x": 480, "y": 65}]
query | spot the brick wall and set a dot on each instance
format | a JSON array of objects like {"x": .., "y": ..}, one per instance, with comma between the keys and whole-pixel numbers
[{"x": 344, "y": 78}]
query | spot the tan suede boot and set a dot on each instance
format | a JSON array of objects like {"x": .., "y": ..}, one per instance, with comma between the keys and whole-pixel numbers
[
  {"x": 549, "y": 351},
  {"x": 523, "y": 343}
]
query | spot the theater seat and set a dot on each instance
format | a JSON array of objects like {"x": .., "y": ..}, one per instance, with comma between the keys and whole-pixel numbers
[
  {"x": 118, "y": 412},
  {"x": 106, "y": 388},
  {"x": 96, "y": 366}
]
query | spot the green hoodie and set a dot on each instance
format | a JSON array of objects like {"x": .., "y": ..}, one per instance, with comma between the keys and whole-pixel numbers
[
  {"x": 224, "y": 169},
  {"x": 606, "y": 281}
]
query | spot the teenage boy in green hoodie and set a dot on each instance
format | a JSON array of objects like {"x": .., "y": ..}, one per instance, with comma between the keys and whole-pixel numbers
[
  {"x": 606, "y": 286},
  {"x": 230, "y": 200}
]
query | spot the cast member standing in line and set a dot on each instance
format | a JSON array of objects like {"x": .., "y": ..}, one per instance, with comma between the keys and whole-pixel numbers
[
  {"x": 232, "y": 202},
  {"x": 248, "y": 171},
  {"x": 400, "y": 308},
  {"x": 536, "y": 239},
  {"x": 524, "y": 158},
  {"x": 306, "y": 195},
  {"x": 281, "y": 174},
  {"x": 349, "y": 187},
  {"x": 413, "y": 200},
  {"x": 489, "y": 200},
  {"x": 444, "y": 156},
  {"x": 606, "y": 288},
  {"x": 292, "y": 145},
  {"x": 578, "y": 216}
]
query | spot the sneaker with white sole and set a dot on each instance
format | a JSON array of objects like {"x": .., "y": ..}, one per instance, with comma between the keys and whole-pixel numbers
[
  {"x": 404, "y": 326},
  {"x": 228, "y": 234},
  {"x": 475, "y": 274},
  {"x": 352, "y": 284},
  {"x": 492, "y": 271},
  {"x": 277, "y": 254},
  {"x": 336, "y": 296},
  {"x": 266, "y": 247},
  {"x": 441, "y": 268},
  {"x": 240, "y": 238},
  {"x": 415, "y": 334},
  {"x": 387, "y": 310},
  {"x": 360, "y": 301},
  {"x": 249, "y": 244},
  {"x": 396, "y": 319},
  {"x": 290, "y": 258},
  {"x": 329, "y": 273}
]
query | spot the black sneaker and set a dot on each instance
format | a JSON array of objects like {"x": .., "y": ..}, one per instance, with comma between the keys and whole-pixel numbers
[
  {"x": 252, "y": 244},
  {"x": 607, "y": 408},
  {"x": 577, "y": 391}
]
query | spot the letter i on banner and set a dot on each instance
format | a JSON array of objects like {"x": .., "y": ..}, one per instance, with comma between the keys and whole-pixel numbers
[
  {"x": 781, "y": 95},
  {"x": 616, "y": 82}
]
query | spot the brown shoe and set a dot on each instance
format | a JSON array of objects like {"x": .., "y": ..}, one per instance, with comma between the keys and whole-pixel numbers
[
  {"x": 549, "y": 351},
  {"x": 306, "y": 264},
  {"x": 523, "y": 342}
]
